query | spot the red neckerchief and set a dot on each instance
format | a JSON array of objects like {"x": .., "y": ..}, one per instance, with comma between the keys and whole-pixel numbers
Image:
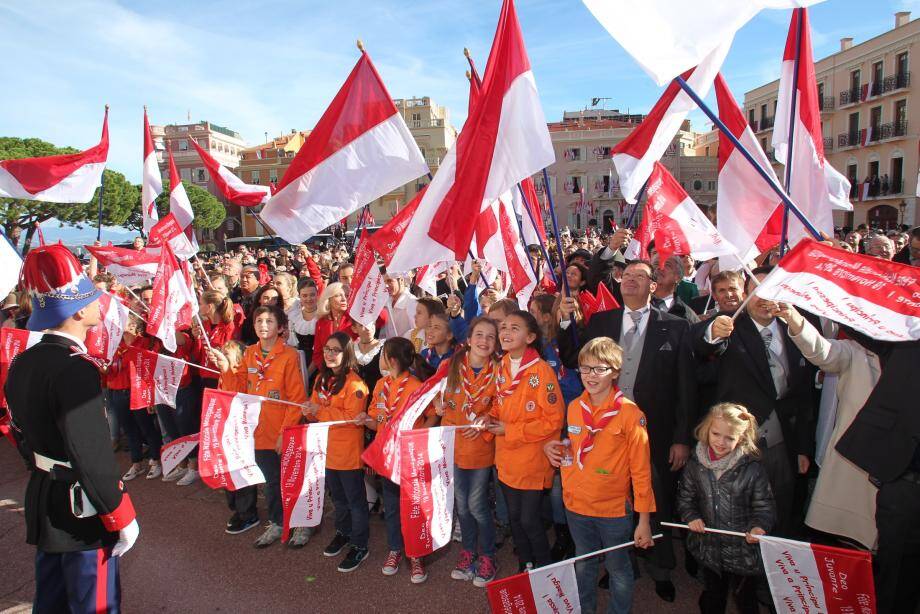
[
  {"x": 484, "y": 378},
  {"x": 591, "y": 430},
  {"x": 263, "y": 364},
  {"x": 388, "y": 408},
  {"x": 325, "y": 390},
  {"x": 529, "y": 359}
]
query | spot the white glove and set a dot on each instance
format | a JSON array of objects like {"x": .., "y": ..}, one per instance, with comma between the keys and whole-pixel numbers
[{"x": 126, "y": 538}]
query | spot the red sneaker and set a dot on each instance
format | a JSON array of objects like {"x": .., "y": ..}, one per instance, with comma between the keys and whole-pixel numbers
[{"x": 418, "y": 571}]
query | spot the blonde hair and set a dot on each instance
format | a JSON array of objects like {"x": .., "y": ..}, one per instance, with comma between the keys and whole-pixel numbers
[
  {"x": 604, "y": 350},
  {"x": 322, "y": 305},
  {"x": 739, "y": 419},
  {"x": 289, "y": 282},
  {"x": 234, "y": 350}
]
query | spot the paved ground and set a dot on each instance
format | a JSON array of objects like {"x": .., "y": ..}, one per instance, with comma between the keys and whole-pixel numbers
[{"x": 184, "y": 562}]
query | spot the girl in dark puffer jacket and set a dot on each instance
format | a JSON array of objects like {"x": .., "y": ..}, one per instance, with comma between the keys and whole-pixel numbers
[{"x": 724, "y": 486}]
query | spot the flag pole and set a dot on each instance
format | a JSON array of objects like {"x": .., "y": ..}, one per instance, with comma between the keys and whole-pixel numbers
[
  {"x": 635, "y": 209},
  {"x": 787, "y": 202},
  {"x": 533, "y": 223},
  {"x": 792, "y": 113},
  {"x": 101, "y": 192},
  {"x": 565, "y": 281}
]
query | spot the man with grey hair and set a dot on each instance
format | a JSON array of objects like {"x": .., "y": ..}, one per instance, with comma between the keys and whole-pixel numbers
[
  {"x": 880, "y": 246},
  {"x": 670, "y": 274}
]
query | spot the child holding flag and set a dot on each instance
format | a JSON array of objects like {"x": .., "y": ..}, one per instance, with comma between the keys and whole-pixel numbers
[
  {"x": 527, "y": 412},
  {"x": 340, "y": 394},
  {"x": 471, "y": 383},
  {"x": 605, "y": 458},
  {"x": 270, "y": 369},
  {"x": 724, "y": 486}
]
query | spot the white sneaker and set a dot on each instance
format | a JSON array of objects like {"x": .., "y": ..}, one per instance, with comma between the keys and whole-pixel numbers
[
  {"x": 155, "y": 471},
  {"x": 270, "y": 536},
  {"x": 175, "y": 474},
  {"x": 190, "y": 477},
  {"x": 132, "y": 473}
]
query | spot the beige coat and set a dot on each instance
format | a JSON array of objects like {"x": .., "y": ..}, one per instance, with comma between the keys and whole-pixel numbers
[{"x": 843, "y": 502}]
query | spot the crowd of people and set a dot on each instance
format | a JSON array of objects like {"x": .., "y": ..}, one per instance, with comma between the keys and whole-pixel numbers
[{"x": 584, "y": 430}]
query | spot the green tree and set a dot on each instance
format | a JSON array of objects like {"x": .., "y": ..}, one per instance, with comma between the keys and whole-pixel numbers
[
  {"x": 209, "y": 212},
  {"x": 119, "y": 199}
]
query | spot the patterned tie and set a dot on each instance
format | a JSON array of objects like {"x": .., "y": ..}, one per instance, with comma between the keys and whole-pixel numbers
[
  {"x": 776, "y": 369},
  {"x": 630, "y": 337}
]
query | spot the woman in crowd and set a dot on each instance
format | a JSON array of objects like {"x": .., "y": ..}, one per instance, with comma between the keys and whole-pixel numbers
[
  {"x": 440, "y": 342},
  {"x": 302, "y": 317},
  {"x": 332, "y": 317}
]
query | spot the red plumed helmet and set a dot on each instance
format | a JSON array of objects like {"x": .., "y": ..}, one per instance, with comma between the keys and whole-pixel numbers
[{"x": 50, "y": 267}]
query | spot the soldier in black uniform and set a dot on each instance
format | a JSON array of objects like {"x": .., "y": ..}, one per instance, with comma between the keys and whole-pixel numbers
[{"x": 77, "y": 514}]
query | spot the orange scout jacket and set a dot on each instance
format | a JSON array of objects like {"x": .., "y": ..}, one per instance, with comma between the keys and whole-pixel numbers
[
  {"x": 475, "y": 453},
  {"x": 346, "y": 441},
  {"x": 387, "y": 400},
  {"x": 619, "y": 459},
  {"x": 276, "y": 376},
  {"x": 532, "y": 416}
]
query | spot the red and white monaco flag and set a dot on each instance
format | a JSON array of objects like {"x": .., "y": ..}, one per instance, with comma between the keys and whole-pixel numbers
[
  {"x": 504, "y": 140},
  {"x": 817, "y": 187},
  {"x": 368, "y": 293},
  {"x": 303, "y": 475},
  {"x": 807, "y": 577},
  {"x": 154, "y": 378},
  {"x": 505, "y": 251},
  {"x": 383, "y": 454},
  {"x": 546, "y": 590},
  {"x": 232, "y": 187},
  {"x": 103, "y": 339},
  {"x": 750, "y": 212},
  {"x": 426, "y": 277},
  {"x": 387, "y": 238},
  {"x": 13, "y": 342},
  {"x": 426, "y": 488},
  {"x": 180, "y": 206},
  {"x": 174, "y": 452},
  {"x": 169, "y": 230},
  {"x": 534, "y": 229},
  {"x": 66, "y": 178},
  {"x": 129, "y": 266},
  {"x": 173, "y": 303},
  {"x": 359, "y": 150},
  {"x": 636, "y": 155},
  {"x": 151, "y": 182},
  {"x": 227, "y": 452},
  {"x": 877, "y": 297}
]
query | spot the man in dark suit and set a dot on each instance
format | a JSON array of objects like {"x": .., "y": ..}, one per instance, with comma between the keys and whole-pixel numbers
[
  {"x": 665, "y": 298},
  {"x": 884, "y": 441},
  {"x": 760, "y": 368},
  {"x": 655, "y": 374},
  {"x": 76, "y": 512}
]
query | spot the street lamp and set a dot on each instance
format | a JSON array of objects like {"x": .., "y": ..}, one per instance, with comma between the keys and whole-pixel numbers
[{"x": 902, "y": 208}]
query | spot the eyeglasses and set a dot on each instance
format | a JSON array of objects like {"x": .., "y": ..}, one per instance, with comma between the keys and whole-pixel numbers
[
  {"x": 333, "y": 351},
  {"x": 598, "y": 370}
]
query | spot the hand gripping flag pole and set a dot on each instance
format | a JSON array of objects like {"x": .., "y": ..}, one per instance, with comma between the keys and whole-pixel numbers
[
  {"x": 714, "y": 118},
  {"x": 792, "y": 113},
  {"x": 565, "y": 281},
  {"x": 543, "y": 249}
]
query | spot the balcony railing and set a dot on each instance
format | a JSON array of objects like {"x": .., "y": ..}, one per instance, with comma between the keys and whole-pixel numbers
[
  {"x": 893, "y": 130},
  {"x": 888, "y": 84},
  {"x": 850, "y": 96},
  {"x": 895, "y": 82},
  {"x": 766, "y": 123},
  {"x": 826, "y": 103},
  {"x": 881, "y": 189},
  {"x": 828, "y": 143},
  {"x": 848, "y": 139}
]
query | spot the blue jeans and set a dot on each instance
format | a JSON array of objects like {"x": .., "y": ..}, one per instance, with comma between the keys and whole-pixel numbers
[
  {"x": 168, "y": 423},
  {"x": 352, "y": 518},
  {"x": 471, "y": 497},
  {"x": 138, "y": 426},
  {"x": 590, "y": 534},
  {"x": 391, "y": 514}
]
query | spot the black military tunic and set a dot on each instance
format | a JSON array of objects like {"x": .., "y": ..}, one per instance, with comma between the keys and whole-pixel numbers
[{"x": 55, "y": 399}]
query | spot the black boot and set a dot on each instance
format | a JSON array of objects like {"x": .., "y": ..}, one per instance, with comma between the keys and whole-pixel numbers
[{"x": 563, "y": 547}]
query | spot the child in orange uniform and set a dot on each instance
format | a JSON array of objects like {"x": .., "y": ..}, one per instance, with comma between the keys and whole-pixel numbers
[
  {"x": 605, "y": 458},
  {"x": 471, "y": 381},
  {"x": 527, "y": 412},
  {"x": 397, "y": 358},
  {"x": 270, "y": 369},
  {"x": 339, "y": 394}
]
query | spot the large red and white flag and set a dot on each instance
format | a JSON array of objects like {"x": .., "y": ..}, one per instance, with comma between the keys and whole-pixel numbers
[
  {"x": 426, "y": 488},
  {"x": 387, "y": 238},
  {"x": 303, "y": 475},
  {"x": 103, "y": 339},
  {"x": 227, "y": 453},
  {"x": 807, "y": 577},
  {"x": 666, "y": 37},
  {"x": 173, "y": 303},
  {"x": 359, "y": 150},
  {"x": 750, "y": 212},
  {"x": 174, "y": 452},
  {"x": 534, "y": 229},
  {"x": 151, "y": 181},
  {"x": 383, "y": 454},
  {"x": 13, "y": 342},
  {"x": 682, "y": 228},
  {"x": 154, "y": 378},
  {"x": 636, "y": 155},
  {"x": 874, "y": 296},
  {"x": 129, "y": 266},
  {"x": 504, "y": 140},
  {"x": 368, "y": 292},
  {"x": 179, "y": 204},
  {"x": 232, "y": 187},
  {"x": 816, "y": 187},
  {"x": 169, "y": 230},
  {"x": 66, "y": 178},
  {"x": 505, "y": 251},
  {"x": 546, "y": 590}
]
